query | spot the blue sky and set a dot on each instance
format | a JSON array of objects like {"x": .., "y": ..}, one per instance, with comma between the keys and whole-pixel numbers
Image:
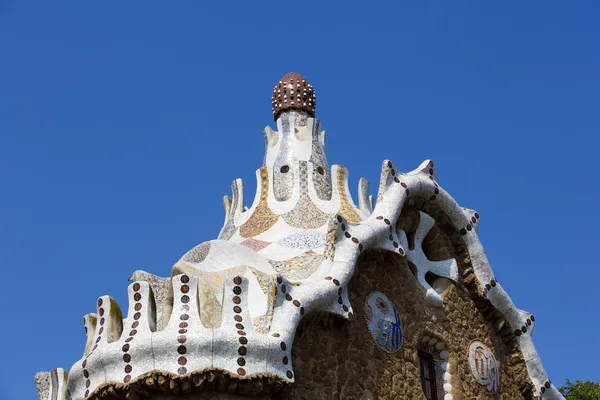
[{"x": 123, "y": 124}]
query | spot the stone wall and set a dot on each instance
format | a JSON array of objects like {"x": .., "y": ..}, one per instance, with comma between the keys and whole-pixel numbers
[{"x": 339, "y": 359}]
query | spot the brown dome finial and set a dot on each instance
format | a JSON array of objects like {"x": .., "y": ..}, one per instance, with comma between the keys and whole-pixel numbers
[{"x": 293, "y": 92}]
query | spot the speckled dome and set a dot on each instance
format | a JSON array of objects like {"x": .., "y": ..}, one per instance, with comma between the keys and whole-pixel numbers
[{"x": 293, "y": 92}]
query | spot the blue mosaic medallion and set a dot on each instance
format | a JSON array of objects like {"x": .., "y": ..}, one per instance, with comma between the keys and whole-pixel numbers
[{"x": 384, "y": 322}]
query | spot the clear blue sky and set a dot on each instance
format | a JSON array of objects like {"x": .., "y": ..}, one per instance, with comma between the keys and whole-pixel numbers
[{"x": 123, "y": 124}]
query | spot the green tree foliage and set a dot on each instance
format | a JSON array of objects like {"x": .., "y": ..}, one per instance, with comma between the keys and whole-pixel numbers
[{"x": 580, "y": 390}]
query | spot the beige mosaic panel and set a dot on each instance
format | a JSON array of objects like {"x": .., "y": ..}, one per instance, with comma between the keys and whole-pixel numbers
[{"x": 262, "y": 219}]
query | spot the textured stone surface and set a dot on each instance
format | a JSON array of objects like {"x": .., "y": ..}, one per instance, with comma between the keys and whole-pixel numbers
[{"x": 340, "y": 360}]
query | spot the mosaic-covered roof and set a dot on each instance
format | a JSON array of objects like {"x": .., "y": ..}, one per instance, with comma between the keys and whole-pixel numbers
[{"x": 233, "y": 304}]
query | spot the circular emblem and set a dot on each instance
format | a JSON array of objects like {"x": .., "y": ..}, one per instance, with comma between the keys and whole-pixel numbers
[
  {"x": 484, "y": 366},
  {"x": 383, "y": 321}
]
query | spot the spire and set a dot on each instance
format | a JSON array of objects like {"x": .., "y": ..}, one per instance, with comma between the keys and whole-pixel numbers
[{"x": 293, "y": 92}]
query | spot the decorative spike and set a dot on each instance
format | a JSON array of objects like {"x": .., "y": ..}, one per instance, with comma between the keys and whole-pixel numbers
[{"x": 363, "y": 196}]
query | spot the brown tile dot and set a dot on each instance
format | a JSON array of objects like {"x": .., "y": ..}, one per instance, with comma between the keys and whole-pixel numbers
[
  {"x": 98, "y": 339},
  {"x": 285, "y": 360},
  {"x": 237, "y": 309},
  {"x": 183, "y": 324},
  {"x": 137, "y": 316},
  {"x": 86, "y": 373},
  {"x": 182, "y": 331},
  {"x": 99, "y": 302},
  {"x": 184, "y": 288},
  {"x": 125, "y": 348},
  {"x": 182, "y": 370},
  {"x": 241, "y": 333},
  {"x": 84, "y": 363},
  {"x": 241, "y": 361},
  {"x": 379, "y": 217},
  {"x": 185, "y": 279},
  {"x": 182, "y": 360},
  {"x": 237, "y": 280},
  {"x": 138, "y": 306},
  {"x": 136, "y": 286},
  {"x": 241, "y": 371},
  {"x": 135, "y": 324},
  {"x": 182, "y": 349},
  {"x": 289, "y": 374},
  {"x": 275, "y": 335},
  {"x": 239, "y": 326},
  {"x": 355, "y": 240},
  {"x": 403, "y": 185},
  {"x": 133, "y": 332},
  {"x": 128, "y": 368},
  {"x": 100, "y": 331},
  {"x": 238, "y": 318},
  {"x": 328, "y": 278},
  {"x": 102, "y": 320},
  {"x": 101, "y": 311},
  {"x": 129, "y": 339},
  {"x": 243, "y": 340},
  {"x": 88, "y": 383},
  {"x": 242, "y": 350},
  {"x": 182, "y": 339},
  {"x": 126, "y": 379},
  {"x": 137, "y": 297},
  {"x": 296, "y": 303},
  {"x": 126, "y": 357}
]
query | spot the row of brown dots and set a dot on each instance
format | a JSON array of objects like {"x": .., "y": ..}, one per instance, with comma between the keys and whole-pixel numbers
[
  {"x": 470, "y": 225},
  {"x": 530, "y": 320},
  {"x": 391, "y": 236},
  {"x": 86, "y": 373},
  {"x": 489, "y": 286},
  {"x": 545, "y": 386},
  {"x": 289, "y": 297},
  {"x": 183, "y": 325},
  {"x": 126, "y": 355},
  {"x": 285, "y": 358},
  {"x": 347, "y": 234},
  {"x": 242, "y": 350},
  {"x": 395, "y": 174},
  {"x": 436, "y": 191},
  {"x": 340, "y": 300}
]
